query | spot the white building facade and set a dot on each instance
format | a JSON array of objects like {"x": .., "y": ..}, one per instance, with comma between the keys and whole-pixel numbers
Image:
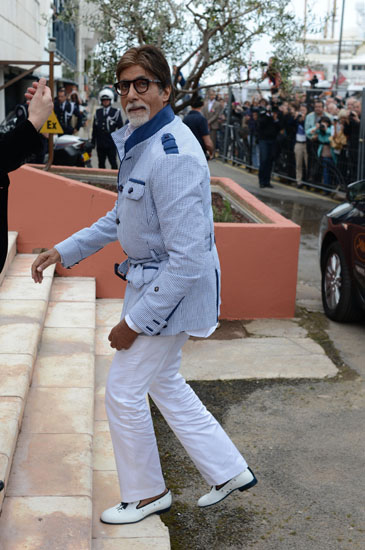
[{"x": 25, "y": 28}]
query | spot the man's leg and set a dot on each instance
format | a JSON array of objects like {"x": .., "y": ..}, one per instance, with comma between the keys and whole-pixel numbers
[
  {"x": 299, "y": 155},
  {"x": 112, "y": 157},
  {"x": 213, "y": 136},
  {"x": 101, "y": 157},
  {"x": 305, "y": 157},
  {"x": 130, "y": 376},
  {"x": 263, "y": 162},
  {"x": 210, "y": 448},
  {"x": 271, "y": 154}
]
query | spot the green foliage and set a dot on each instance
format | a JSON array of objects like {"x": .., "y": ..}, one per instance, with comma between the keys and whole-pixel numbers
[
  {"x": 197, "y": 35},
  {"x": 225, "y": 215},
  {"x": 69, "y": 73}
]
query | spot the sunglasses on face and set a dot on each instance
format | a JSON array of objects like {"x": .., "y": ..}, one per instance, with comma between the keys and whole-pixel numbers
[{"x": 141, "y": 85}]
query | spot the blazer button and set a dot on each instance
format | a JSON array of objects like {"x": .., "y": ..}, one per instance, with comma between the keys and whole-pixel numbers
[
  {"x": 157, "y": 288},
  {"x": 117, "y": 221},
  {"x": 120, "y": 188},
  {"x": 130, "y": 190}
]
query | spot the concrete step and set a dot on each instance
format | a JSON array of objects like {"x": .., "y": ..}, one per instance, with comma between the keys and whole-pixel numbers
[
  {"x": 48, "y": 499},
  {"x": 151, "y": 533},
  {"x": 23, "y": 306},
  {"x": 12, "y": 236}
]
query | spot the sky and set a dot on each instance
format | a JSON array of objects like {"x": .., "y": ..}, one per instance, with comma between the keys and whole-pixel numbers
[
  {"x": 318, "y": 6},
  {"x": 262, "y": 48}
]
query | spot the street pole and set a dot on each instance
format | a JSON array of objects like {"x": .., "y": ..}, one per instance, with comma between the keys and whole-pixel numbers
[
  {"x": 51, "y": 50},
  {"x": 340, "y": 45}
]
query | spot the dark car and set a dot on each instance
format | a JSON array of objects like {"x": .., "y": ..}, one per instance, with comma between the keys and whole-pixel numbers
[{"x": 342, "y": 257}]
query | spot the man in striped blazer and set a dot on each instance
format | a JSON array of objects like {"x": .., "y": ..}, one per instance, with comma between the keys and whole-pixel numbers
[{"x": 163, "y": 220}]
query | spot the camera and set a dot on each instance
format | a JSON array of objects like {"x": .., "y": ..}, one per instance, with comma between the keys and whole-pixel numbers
[{"x": 322, "y": 128}]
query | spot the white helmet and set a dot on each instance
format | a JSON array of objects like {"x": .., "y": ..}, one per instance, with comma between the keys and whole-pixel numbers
[{"x": 106, "y": 94}]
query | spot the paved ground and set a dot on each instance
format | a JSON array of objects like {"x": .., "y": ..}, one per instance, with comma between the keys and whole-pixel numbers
[
  {"x": 302, "y": 433},
  {"x": 304, "y": 438}
]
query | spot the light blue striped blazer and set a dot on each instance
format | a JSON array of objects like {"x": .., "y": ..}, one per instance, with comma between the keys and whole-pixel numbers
[{"x": 163, "y": 221}]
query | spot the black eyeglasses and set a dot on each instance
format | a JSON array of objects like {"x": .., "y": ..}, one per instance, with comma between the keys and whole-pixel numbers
[{"x": 141, "y": 85}]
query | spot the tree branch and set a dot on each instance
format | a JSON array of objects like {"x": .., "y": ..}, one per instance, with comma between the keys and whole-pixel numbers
[{"x": 216, "y": 85}]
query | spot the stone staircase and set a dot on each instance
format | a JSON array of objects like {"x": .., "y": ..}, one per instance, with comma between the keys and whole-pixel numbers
[{"x": 56, "y": 457}]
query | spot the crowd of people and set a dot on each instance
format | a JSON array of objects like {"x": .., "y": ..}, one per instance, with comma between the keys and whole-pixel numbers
[
  {"x": 306, "y": 138},
  {"x": 309, "y": 138}
]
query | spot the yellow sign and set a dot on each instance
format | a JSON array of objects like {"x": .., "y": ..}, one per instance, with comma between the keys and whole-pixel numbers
[{"x": 52, "y": 125}]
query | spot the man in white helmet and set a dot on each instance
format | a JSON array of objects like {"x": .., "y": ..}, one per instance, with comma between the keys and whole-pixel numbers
[{"x": 107, "y": 119}]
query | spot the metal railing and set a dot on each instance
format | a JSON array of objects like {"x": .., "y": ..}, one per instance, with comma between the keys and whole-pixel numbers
[
  {"x": 240, "y": 146},
  {"x": 319, "y": 173}
]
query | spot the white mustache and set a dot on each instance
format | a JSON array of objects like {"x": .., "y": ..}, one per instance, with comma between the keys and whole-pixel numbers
[{"x": 135, "y": 106}]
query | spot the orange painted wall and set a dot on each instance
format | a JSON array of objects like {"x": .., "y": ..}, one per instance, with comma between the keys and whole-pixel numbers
[{"x": 259, "y": 261}]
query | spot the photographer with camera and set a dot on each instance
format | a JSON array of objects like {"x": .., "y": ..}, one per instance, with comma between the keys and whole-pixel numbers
[
  {"x": 339, "y": 143},
  {"x": 351, "y": 130},
  {"x": 300, "y": 147},
  {"x": 285, "y": 142},
  {"x": 250, "y": 128},
  {"x": 322, "y": 130},
  {"x": 269, "y": 126},
  {"x": 311, "y": 120}
]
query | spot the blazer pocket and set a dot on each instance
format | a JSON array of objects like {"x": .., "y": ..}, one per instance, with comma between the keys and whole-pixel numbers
[
  {"x": 134, "y": 189},
  {"x": 149, "y": 273}
]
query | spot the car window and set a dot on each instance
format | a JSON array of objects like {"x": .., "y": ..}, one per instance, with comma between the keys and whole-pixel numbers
[{"x": 356, "y": 191}]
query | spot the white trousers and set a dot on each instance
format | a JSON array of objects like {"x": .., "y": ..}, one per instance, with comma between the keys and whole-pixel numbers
[{"x": 151, "y": 366}]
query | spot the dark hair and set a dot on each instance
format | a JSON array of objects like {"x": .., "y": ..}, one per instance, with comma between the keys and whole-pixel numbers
[
  {"x": 197, "y": 102},
  {"x": 319, "y": 101},
  {"x": 326, "y": 120},
  {"x": 152, "y": 60}
]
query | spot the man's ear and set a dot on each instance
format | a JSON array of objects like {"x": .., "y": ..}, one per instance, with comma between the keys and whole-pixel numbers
[{"x": 166, "y": 92}]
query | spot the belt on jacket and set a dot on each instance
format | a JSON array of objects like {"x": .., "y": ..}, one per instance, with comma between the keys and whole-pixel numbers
[{"x": 121, "y": 270}]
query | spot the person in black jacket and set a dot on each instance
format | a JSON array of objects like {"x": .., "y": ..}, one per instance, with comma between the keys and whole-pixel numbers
[
  {"x": 352, "y": 132},
  {"x": 269, "y": 126},
  {"x": 17, "y": 145},
  {"x": 64, "y": 110},
  {"x": 107, "y": 119},
  {"x": 198, "y": 124}
]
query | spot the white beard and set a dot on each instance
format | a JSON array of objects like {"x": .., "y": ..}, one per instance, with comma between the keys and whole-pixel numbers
[{"x": 139, "y": 118}]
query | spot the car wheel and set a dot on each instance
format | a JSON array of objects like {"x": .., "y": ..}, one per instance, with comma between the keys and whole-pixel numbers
[{"x": 337, "y": 292}]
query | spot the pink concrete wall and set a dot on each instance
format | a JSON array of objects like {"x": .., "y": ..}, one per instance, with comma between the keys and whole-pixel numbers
[{"x": 259, "y": 261}]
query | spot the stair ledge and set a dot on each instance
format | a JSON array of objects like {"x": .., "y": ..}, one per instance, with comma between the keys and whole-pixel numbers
[
  {"x": 57, "y": 429},
  {"x": 23, "y": 306},
  {"x": 12, "y": 236}
]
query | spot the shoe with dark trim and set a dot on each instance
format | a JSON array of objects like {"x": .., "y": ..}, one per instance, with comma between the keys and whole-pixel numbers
[
  {"x": 245, "y": 480},
  {"x": 128, "y": 512}
]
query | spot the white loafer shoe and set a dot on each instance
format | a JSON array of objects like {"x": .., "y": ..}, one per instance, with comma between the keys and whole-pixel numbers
[
  {"x": 127, "y": 512},
  {"x": 242, "y": 482}
]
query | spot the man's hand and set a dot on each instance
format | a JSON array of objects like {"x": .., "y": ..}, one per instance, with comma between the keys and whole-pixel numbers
[
  {"x": 40, "y": 103},
  {"x": 121, "y": 336},
  {"x": 42, "y": 261}
]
